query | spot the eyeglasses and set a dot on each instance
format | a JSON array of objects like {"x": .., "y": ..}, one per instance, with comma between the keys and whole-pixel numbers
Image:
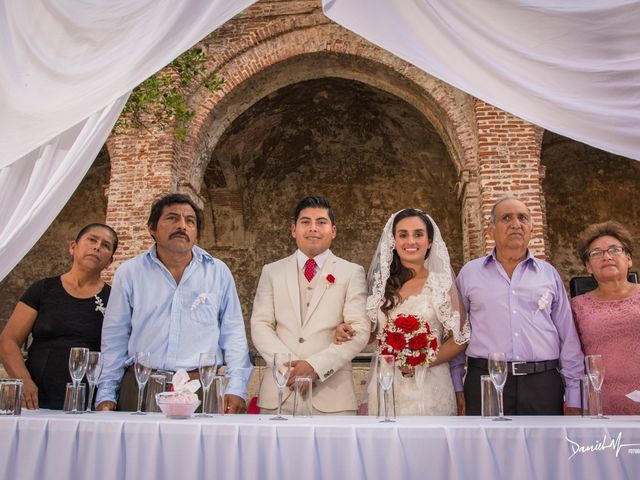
[{"x": 612, "y": 251}]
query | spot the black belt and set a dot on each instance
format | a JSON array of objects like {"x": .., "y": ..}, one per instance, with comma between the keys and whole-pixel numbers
[
  {"x": 517, "y": 368},
  {"x": 193, "y": 374}
]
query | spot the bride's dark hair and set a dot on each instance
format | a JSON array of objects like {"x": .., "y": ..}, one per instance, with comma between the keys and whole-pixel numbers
[{"x": 398, "y": 273}]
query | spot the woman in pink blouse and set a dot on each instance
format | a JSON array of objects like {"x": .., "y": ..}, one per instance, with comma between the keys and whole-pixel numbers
[{"x": 608, "y": 318}]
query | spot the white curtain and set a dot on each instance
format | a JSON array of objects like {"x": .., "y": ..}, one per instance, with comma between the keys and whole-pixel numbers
[
  {"x": 572, "y": 67},
  {"x": 66, "y": 70}
]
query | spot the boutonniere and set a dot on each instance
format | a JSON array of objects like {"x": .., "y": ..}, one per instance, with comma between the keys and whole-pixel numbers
[
  {"x": 331, "y": 279},
  {"x": 200, "y": 299},
  {"x": 544, "y": 300},
  {"x": 99, "y": 305}
]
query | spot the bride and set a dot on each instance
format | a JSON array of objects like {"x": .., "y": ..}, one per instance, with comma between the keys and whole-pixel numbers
[{"x": 410, "y": 275}]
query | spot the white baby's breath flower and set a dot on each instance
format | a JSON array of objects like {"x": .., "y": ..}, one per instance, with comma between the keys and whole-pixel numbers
[
  {"x": 544, "y": 300},
  {"x": 99, "y": 305},
  {"x": 199, "y": 300}
]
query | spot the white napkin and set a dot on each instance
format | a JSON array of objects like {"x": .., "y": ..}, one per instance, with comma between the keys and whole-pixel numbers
[
  {"x": 182, "y": 384},
  {"x": 635, "y": 396}
]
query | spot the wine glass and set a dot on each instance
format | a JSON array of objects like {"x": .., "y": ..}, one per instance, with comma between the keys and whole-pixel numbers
[
  {"x": 386, "y": 371},
  {"x": 143, "y": 370},
  {"x": 207, "y": 368},
  {"x": 498, "y": 371},
  {"x": 281, "y": 370},
  {"x": 78, "y": 358},
  {"x": 595, "y": 371},
  {"x": 94, "y": 369}
]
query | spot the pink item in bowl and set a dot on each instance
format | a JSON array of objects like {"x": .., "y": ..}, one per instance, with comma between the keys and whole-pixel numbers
[{"x": 177, "y": 404}]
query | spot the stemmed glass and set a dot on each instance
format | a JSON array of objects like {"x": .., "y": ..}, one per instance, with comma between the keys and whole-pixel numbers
[
  {"x": 498, "y": 371},
  {"x": 78, "y": 358},
  {"x": 94, "y": 369},
  {"x": 281, "y": 370},
  {"x": 207, "y": 368},
  {"x": 143, "y": 370},
  {"x": 419, "y": 375},
  {"x": 386, "y": 371},
  {"x": 595, "y": 371}
]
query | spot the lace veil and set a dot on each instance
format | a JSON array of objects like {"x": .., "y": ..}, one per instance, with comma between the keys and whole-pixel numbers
[{"x": 446, "y": 299}]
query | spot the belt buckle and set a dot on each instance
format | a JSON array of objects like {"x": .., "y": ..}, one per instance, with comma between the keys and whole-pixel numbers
[{"x": 513, "y": 369}]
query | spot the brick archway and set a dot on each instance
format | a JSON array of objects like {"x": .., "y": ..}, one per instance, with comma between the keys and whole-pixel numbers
[{"x": 254, "y": 71}]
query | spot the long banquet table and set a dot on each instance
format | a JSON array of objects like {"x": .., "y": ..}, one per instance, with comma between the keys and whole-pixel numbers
[{"x": 114, "y": 445}]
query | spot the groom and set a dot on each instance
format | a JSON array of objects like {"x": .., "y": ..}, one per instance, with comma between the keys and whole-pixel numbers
[{"x": 298, "y": 304}]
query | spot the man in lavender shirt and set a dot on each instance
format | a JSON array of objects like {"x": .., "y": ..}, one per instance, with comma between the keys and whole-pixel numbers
[{"x": 517, "y": 304}]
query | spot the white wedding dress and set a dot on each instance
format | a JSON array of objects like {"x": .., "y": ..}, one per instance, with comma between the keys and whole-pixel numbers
[{"x": 437, "y": 391}]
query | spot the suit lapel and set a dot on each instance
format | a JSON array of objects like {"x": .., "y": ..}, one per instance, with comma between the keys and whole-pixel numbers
[
  {"x": 321, "y": 286},
  {"x": 291, "y": 276}
]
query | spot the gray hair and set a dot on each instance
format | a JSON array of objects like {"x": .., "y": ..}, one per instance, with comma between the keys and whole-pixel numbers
[{"x": 503, "y": 198}]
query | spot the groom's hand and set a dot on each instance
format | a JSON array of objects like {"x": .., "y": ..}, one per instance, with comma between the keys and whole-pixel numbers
[
  {"x": 301, "y": 368},
  {"x": 343, "y": 333}
]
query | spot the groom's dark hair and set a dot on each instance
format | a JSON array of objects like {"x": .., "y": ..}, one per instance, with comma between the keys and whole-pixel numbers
[{"x": 314, "y": 202}]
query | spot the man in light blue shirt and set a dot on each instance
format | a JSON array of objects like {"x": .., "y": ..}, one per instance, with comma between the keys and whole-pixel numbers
[{"x": 174, "y": 301}]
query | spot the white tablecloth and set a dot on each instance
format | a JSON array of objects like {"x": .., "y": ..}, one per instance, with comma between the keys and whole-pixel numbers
[{"x": 46, "y": 444}]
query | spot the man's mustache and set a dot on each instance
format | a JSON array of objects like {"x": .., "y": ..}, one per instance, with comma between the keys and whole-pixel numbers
[{"x": 179, "y": 234}]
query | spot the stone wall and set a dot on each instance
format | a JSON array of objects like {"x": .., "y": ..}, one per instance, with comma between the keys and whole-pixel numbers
[{"x": 584, "y": 185}]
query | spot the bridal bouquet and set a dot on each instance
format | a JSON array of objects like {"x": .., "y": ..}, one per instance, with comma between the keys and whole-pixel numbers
[{"x": 409, "y": 339}]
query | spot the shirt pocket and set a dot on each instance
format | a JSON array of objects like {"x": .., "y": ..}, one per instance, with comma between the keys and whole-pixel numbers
[
  {"x": 203, "y": 307},
  {"x": 542, "y": 300}
]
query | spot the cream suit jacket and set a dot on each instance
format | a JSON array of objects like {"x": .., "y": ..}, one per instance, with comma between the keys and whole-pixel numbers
[{"x": 277, "y": 327}]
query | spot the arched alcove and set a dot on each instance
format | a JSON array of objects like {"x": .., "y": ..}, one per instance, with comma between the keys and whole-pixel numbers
[
  {"x": 370, "y": 152},
  {"x": 584, "y": 185},
  {"x": 50, "y": 255}
]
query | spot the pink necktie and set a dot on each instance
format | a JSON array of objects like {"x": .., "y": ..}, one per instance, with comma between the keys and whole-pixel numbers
[{"x": 310, "y": 269}]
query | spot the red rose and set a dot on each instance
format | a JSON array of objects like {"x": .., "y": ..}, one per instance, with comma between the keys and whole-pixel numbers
[
  {"x": 417, "y": 360},
  {"x": 407, "y": 324},
  {"x": 418, "y": 341},
  {"x": 427, "y": 327},
  {"x": 433, "y": 344},
  {"x": 331, "y": 279},
  {"x": 396, "y": 340},
  {"x": 386, "y": 351}
]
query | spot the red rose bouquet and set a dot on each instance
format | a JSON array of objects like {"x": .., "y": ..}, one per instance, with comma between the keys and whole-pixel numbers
[{"x": 409, "y": 340}]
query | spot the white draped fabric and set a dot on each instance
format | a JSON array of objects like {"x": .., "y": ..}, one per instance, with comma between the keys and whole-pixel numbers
[
  {"x": 572, "y": 67},
  {"x": 66, "y": 70},
  {"x": 117, "y": 445},
  {"x": 67, "y": 67}
]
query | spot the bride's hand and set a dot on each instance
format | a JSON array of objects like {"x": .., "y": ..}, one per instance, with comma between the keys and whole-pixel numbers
[
  {"x": 407, "y": 371},
  {"x": 343, "y": 333}
]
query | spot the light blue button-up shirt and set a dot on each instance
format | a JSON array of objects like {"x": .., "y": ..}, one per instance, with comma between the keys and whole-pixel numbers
[
  {"x": 527, "y": 316},
  {"x": 148, "y": 311}
]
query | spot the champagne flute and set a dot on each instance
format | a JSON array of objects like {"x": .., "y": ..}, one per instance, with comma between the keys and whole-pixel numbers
[
  {"x": 78, "y": 358},
  {"x": 281, "y": 370},
  {"x": 498, "y": 371},
  {"x": 595, "y": 371},
  {"x": 386, "y": 371},
  {"x": 143, "y": 370},
  {"x": 94, "y": 369},
  {"x": 420, "y": 375},
  {"x": 207, "y": 368}
]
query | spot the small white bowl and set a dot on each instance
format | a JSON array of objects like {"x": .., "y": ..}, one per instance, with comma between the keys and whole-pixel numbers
[{"x": 174, "y": 405}]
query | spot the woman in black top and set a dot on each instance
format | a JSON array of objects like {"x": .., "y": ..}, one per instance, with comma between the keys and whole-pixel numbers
[{"x": 60, "y": 313}]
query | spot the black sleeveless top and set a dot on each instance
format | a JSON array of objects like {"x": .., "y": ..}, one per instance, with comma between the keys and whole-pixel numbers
[{"x": 63, "y": 322}]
